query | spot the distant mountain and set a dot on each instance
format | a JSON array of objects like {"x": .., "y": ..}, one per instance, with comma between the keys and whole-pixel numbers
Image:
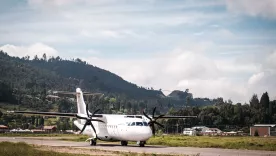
[
  {"x": 58, "y": 74},
  {"x": 185, "y": 98},
  {"x": 179, "y": 95}
]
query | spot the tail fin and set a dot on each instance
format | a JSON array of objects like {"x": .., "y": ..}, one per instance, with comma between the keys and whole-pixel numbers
[{"x": 80, "y": 102}]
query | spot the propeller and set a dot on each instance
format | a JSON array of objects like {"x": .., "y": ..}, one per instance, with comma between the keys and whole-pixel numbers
[
  {"x": 89, "y": 119},
  {"x": 153, "y": 120}
]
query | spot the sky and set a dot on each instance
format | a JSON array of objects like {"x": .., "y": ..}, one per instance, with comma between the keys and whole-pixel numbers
[{"x": 215, "y": 48}]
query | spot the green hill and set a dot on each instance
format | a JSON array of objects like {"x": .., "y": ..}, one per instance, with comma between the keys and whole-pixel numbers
[
  {"x": 27, "y": 82},
  {"x": 59, "y": 74}
]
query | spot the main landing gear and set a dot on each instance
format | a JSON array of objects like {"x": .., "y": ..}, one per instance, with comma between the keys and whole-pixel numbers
[
  {"x": 93, "y": 142},
  {"x": 141, "y": 143},
  {"x": 124, "y": 143}
]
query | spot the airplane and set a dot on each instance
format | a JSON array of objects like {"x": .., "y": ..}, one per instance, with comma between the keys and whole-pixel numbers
[{"x": 110, "y": 127}]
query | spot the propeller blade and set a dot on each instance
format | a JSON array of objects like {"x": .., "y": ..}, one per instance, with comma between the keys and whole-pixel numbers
[
  {"x": 87, "y": 109},
  {"x": 153, "y": 112},
  {"x": 81, "y": 117},
  {"x": 153, "y": 129},
  {"x": 147, "y": 116},
  {"x": 97, "y": 120},
  {"x": 160, "y": 116},
  {"x": 159, "y": 124},
  {"x": 95, "y": 112},
  {"x": 83, "y": 127},
  {"x": 94, "y": 129}
]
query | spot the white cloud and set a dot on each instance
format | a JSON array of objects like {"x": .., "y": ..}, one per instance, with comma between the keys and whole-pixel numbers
[
  {"x": 270, "y": 61},
  {"x": 264, "y": 8},
  {"x": 254, "y": 79},
  {"x": 35, "y": 49},
  {"x": 181, "y": 69},
  {"x": 262, "y": 82}
]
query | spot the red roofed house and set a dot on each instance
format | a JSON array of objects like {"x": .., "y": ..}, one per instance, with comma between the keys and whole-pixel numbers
[
  {"x": 3, "y": 129},
  {"x": 263, "y": 130}
]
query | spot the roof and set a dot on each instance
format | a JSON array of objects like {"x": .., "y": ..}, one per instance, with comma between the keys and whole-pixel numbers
[
  {"x": 49, "y": 127},
  {"x": 214, "y": 129},
  {"x": 3, "y": 127},
  {"x": 264, "y": 125}
]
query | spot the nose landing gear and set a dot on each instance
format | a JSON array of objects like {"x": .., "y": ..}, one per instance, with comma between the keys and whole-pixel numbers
[
  {"x": 92, "y": 141},
  {"x": 124, "y": 143}
]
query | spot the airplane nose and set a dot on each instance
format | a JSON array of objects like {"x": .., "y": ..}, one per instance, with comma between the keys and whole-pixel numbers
[{"x": 146, "y": 132}]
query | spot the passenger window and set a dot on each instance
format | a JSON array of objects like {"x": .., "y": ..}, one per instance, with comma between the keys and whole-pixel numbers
[
  {"x": 145, "y": 124},
  {"x": 132, "y": 124},
  {"x": 139, "y": 124}
]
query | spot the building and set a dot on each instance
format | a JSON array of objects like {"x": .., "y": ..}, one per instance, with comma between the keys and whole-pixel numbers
[
  {"x": 189, "y": 131},
  {"x": 200, "y": 129},
  {"x": 3, "y": 129},
  {"x": 19, "y": 130},
  {"x": 212, "y": 131},
  {"x": 263, "y": 130},
  {"x": 50, "y": 129}
]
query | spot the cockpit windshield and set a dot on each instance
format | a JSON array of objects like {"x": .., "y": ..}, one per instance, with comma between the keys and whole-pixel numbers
[
  {"x": 145, "y": 124},
  {"x": 137, "y": 124}
]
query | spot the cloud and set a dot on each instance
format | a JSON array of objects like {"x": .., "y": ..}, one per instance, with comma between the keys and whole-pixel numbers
[
  {"x": 181, "y": 69},
  {"x": 35, "y": 49},
  {"x": 263, "y": 8},
  {"x": 261, "y": 82},
  {"x": 270, "y": 61}
]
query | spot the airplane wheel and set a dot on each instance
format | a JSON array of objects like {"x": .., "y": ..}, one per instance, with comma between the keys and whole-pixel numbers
[
  {"x": 93, "y": 142},
  {"x": 124, "y": 143},
  {"x": 142, "y": 144}
]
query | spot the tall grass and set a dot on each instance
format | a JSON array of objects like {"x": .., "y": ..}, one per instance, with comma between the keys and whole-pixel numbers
[
  {"x": 38, "y": 135},
  {"x": 253, "y": 143},
  {"x": 23, "y": 149}
]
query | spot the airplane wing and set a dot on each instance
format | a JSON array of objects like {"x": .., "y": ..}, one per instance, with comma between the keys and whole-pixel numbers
[
  {"x": 70, "y": 115},
  {"x": 44, "y": 113}
]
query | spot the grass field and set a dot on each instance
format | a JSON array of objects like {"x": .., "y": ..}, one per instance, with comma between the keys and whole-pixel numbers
[
  {"x": 37, "y": 135},
  {"x": 252, "y": 143},
  {"x": 23, "y": 149},
  {"x": 20, "y": 149}
]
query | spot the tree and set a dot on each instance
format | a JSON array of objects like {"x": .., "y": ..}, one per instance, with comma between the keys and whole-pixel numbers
[
  {"x": 264, "y": 102},
  {"x": 41, "y": 121},
  {"x": 128, "y": 106},
  {"x": 112, "y": 101},
  {"x": 44, "y": 57},
  {"x": 36, "y": 58},
  {"x": 1, "y": 114},
  {"x": 254, "y": 101},
  {"x": 36, "y": 122}
]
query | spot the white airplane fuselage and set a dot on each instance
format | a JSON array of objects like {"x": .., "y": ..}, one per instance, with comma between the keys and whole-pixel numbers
[{"x": 118, "y": 128}]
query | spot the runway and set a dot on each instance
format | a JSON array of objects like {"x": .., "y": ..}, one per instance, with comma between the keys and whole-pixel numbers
[{"x": 135, "y": 148}]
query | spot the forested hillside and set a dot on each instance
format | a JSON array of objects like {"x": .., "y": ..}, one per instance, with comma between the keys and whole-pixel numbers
[
  {"x": 23, "y": 78},
  {"x": 59, "y": 74}
]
